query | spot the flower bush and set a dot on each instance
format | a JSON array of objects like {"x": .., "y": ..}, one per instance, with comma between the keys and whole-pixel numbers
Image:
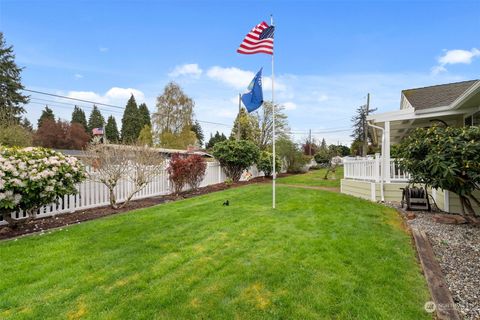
[{"x": 33, "y": 177}]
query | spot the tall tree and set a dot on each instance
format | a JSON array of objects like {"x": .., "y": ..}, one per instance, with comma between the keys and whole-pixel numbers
[
  {"x": 145, "y": 137},
  {"x": 131, "y": 122},
  {"x": 265, "y": 122},
  {"x": 78, "y": 116},
  {"x": 214, "y": 139},
  {"x": 359, "y": 123},
  {"x": 174, "y": 109},
  {"x": 11, "y": 98},
  {"x": 245, "y": 127},
  {"x": 197, "y": 129},
  {"x": 96, "y": 120},
  {"x": 111, "y": 130},
  {"x": 61, "y": 134},
  {"x": 144, "y": 114},
  {"x": 174, "y": 117},
  {"x": 47, "y": 114}
]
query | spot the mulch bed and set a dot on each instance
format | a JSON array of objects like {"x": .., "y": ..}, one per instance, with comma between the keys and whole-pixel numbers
[{"x": 60, "y": 220}]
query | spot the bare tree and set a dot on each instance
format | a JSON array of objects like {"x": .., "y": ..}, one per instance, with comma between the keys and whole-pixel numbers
[
  {"x": 265, "y": 122},
  {"x": 112, "y": 164}
]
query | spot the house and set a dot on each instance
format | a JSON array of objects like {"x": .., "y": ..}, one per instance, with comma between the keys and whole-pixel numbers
[{"x": 452, "y": 104}]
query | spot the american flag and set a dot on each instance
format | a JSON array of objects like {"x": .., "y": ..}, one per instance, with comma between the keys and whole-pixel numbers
[
  {"x": 258, "y": 40},
  {"x": 97, "y": 131}
]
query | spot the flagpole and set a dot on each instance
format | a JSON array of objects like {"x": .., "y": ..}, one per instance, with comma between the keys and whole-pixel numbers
[{"x": 273, "y": 138}]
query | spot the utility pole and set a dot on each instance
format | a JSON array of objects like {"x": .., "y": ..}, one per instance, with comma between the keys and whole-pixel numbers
[{"x": 365, "y": 127}]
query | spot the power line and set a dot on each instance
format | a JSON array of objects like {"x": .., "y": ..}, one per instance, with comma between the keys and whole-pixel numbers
[
  {"x": 70, "y": 98},
  {"x": 93, "y": 102}
]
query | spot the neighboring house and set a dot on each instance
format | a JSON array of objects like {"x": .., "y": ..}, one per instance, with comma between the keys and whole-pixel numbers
[{"x": 454, "y": 104}]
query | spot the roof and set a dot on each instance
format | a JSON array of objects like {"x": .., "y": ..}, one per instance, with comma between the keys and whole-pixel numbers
[{"x": 436, "y": 96}]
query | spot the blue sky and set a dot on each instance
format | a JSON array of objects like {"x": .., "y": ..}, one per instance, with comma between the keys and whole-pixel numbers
[{"x": 328, "y": 54}]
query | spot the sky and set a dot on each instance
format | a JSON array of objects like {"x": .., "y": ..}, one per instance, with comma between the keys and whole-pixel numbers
[{"x": 328, "y": 54}]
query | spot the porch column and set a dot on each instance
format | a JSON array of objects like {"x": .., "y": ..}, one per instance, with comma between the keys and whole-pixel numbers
[{"x": 386, "y": 152}]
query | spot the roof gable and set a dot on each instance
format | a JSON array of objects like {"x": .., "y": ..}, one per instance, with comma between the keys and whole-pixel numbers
[{"x": 436, "y": 96}]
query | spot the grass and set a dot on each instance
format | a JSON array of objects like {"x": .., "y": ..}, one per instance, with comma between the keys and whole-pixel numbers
[
  {"x": 319, "y": 255},
  {"x": 315, "y": 178}
]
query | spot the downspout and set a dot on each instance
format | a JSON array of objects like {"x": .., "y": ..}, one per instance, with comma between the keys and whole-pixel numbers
[{"x": 382, "y": 174}]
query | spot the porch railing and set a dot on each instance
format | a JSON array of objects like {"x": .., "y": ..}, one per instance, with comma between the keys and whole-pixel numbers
[{"x": 369, "y": 169}]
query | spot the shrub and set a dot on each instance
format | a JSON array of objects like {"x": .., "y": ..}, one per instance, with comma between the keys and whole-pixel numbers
[
  {"x": 446, "y": 158},
  {"x": 265, "y": 164},
  {"x": 15, "y": 136},
  {"x": 235, "y": 156},
  {"x": 33, "y": 177},
  {"x": 196, "y": 167},
  {"x": 177, "y": 172},
  {"x": 322, "y": 157},
  {"x": 137, "y": 164}
]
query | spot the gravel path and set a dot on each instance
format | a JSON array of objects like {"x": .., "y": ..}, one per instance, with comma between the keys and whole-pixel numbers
[{"x": 457, "y": 248}]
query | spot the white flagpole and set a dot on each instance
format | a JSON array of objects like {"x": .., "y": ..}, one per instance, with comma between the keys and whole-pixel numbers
[{"x": 273, "y": 138}]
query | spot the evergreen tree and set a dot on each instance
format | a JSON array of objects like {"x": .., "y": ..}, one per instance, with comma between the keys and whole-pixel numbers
[
  {"x": 359, "y": 121},
  {"x": 197, "y": 129},
  {"x": 111, "y": 130},
  {"x": 214, "y": 139},
  {"x": 78, "y": 116},
  {"x": 96, "y": 120},
  {"x": 47, "y": 114},
  {"x": 11, "y": 98},
  {"x": 249, "y": 128},
  {"x": 131, "y": 122},
  {"x": 25, "y": 123},
  {"x": 323, "y": 145},
  {"x": 144, "y": 114},
  {"x": 145, "y": 137}
]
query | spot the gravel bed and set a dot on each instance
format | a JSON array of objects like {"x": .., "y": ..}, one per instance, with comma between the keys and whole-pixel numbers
[{"x": 457, "y": 249}]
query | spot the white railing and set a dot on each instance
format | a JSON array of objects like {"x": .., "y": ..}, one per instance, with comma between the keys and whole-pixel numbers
[
  {"x": 370, "y": 169},
  {"x": 93, "y": 194}
]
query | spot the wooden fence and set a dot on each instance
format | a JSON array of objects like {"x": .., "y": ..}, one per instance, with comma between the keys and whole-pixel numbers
[{"x": 93, "y": 194}]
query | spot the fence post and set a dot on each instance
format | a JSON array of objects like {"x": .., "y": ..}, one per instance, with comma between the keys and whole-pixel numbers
[
  {"x": 377, "y": 167},
  {"x": 219, "y": 173}
]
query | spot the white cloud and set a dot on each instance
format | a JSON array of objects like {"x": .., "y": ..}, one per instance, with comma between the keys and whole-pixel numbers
[
  {"x": 289, "y": 105},
  {"x": 103, "y": 49},
  {"x": 240, "y": 79},
  {"x": 78, "y": 76},
  {"x": 189, "y": 69},
  {"x": 234, "y": 77},
  {"x": 454, "y": 57},
  {"x": 115, "y": 95}
]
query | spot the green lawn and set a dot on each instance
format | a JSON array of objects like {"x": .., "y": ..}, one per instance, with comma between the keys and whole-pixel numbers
[
  {"x": 319, "y": 255},
  {"x": 315, "y": 178}
]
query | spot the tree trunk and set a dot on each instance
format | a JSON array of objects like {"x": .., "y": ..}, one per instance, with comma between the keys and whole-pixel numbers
[{"x": 113, "y": 199}]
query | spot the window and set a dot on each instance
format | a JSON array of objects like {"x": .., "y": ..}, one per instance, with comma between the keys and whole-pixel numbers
[{"x": 472, "y": 120}]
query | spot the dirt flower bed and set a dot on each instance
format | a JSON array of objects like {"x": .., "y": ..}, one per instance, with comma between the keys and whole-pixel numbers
[
  {"x": 457, "y": 249},
  {"x": 42, "y": 224}
]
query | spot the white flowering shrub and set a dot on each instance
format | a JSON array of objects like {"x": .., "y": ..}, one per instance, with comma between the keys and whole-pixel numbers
[{"x": 33, "y": 177}]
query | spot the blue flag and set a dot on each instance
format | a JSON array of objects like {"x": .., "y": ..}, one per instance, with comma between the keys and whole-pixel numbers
[{"x": 253, "y": 99}]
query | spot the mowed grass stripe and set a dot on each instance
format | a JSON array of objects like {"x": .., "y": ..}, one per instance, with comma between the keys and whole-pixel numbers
[{"x": 319, "y": 255}]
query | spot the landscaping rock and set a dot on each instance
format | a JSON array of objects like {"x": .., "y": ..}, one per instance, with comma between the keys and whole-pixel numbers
[
  {"x": 449, "y": 219},
  {"x": 411, "y": 216},
  {"x": 457, "y": 249}
]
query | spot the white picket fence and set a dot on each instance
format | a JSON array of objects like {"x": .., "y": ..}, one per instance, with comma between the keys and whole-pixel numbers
[{"x": 93, "y": 194}]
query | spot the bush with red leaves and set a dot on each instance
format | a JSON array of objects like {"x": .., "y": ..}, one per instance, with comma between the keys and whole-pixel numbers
[
  {"x": 186, "y": 170},
  {"x": 196, "y": 170}
]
